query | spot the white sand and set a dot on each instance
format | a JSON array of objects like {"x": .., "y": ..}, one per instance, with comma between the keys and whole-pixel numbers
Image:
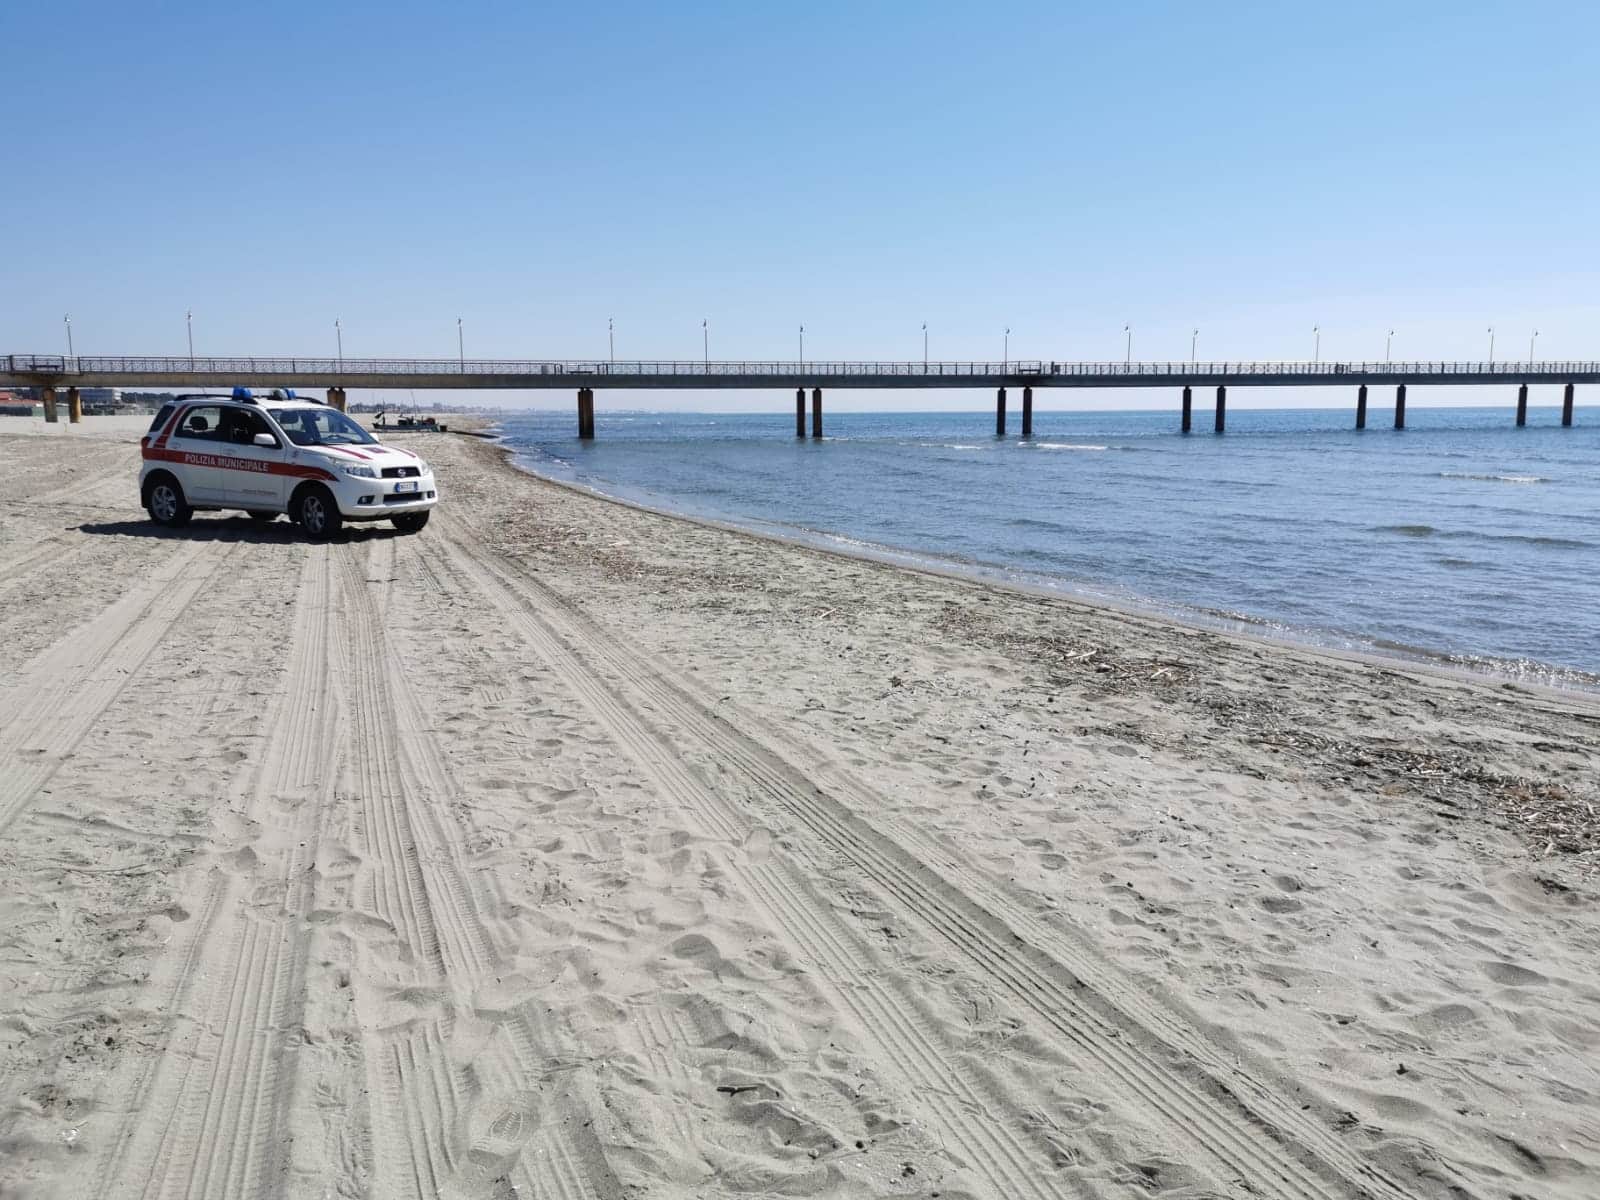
[
  {"x": 570, "y": 850},
  {"x": 118, "y": 426}
]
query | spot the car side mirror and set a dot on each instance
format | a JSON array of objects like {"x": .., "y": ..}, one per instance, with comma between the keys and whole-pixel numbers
[{"x": 266, "y": 439}]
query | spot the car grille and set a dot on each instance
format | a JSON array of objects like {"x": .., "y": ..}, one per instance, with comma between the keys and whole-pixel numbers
[
  {"x": 400, "y": 472},
  {"x": 406, "y": 497}
]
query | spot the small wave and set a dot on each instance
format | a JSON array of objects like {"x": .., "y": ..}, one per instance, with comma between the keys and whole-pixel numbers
[
  {"x": 1036, "y": 523},
  {"x": 1417, "y": 531},
  {"x": 1560, "y": 543},
  {"x": 1493, "y": 478},
  {"x": 1471, "y": 535},
  {"x": 1066, "y": 446},
  {"x": 959, "y": 446}
]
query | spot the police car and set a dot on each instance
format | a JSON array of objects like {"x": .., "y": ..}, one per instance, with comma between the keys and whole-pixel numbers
[{"x": 278, "y": 454}]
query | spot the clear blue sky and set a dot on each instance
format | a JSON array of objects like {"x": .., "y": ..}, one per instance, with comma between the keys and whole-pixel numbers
[{"x": 536, "y": 169}]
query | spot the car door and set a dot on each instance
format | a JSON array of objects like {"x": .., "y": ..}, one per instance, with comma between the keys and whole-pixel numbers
[
  {"x": 252, "y": 476},
  {"x": 194, "y": 445}
]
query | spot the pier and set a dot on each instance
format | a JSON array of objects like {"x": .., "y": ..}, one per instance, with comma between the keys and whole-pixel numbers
[{"x": 54, "y": 375}]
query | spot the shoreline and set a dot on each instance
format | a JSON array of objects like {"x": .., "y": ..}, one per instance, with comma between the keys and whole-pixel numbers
[{"x": 1421, "y": 659}]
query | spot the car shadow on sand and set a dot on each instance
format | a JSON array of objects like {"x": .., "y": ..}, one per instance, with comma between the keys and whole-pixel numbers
[{"x": 232, "y": 529}]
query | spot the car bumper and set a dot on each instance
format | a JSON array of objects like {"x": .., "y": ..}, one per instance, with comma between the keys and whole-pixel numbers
[{"x": 379, "y": 499}]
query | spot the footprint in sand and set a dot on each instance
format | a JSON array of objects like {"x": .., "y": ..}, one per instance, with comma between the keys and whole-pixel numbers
[
  {"x": 498, "y": 1130},
  {"x": 244, "y": 860},
  {"x": 1280, "y": 904},
  {"x": 758, "y": 846},
  {"x": 1512, "y": 975}
]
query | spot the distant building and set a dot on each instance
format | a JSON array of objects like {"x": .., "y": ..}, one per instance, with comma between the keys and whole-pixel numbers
[
  {"x": 15, "y": 404},
  {"x": 98, "y": 400}
]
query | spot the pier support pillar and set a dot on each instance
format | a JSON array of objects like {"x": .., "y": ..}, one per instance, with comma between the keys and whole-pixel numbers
[
  {"x": 1566, "y": 404},
  {"x": 800, "y": 412},
  {"x": 1522, "y": 406},
  {"x": 74, "y": 406},
  {"x": 1400, "y": 407},
  {"x": 1361, "y": 407},
  {"x": 816, "y": 412},
  {"x": 47, "y": 397},
  {"x": 1222, "y": 407},
  {"x": 1188, "y": 408},
  {"x": 585, "y": 413},
  {"x": 1027, "y": 412},
  {"x": 1000, "y": 413},
  {"x": 336, "y": 398}
]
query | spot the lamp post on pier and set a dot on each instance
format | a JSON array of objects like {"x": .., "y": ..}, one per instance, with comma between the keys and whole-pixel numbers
[
  {"x": 705, "y": 341},
  {"x": 1005, "y": 353},
  {"x": 338, "y": 332},
  {"x": 1491, "y": 347},
  {"x": 1127, "y": 357},
  {"x": 68, "y": 319},
  {"x": 461, "y": 347},
  {"x": 802, "y": 345},
  {"x": 1388, "y": 345},
  {"x": 1316, "y": 345},
  {"x": 188, "y": 320},
  {"x": 1530, "y": 347},
  {"x": 611, "y": 336},
  {"x": 1194, "y": 341},
  {"x": 924, "y": 347}
]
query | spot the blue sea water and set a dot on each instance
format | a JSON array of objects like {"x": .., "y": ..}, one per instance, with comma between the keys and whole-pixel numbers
[{"x": 1460, "y": 537}]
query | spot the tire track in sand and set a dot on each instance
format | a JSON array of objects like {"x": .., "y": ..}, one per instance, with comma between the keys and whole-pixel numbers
[
  {"x": 1185, "y": 1085},
  {"x": 976, "y": 1121},
  {"x": 209, "y": 1115},
  {"x": 92, "y": 468},
  {"x": 51, "y": 550},
  {"x": 57, "y": 699},
  {"x": 440, "y": 1128}
]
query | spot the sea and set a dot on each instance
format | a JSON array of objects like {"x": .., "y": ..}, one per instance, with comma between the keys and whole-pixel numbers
[{"x": 1461, "y": 538}]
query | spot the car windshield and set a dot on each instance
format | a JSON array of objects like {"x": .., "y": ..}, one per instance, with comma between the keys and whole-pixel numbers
[{"x": 320, "y": 427}]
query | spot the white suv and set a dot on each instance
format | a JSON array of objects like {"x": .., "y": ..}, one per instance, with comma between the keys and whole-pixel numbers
[{"x": 278, "y": 456}]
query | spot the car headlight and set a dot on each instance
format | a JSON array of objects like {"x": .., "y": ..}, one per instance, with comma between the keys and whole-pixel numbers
[
  {"x": 359, "y": 471},
  {"x": 423, "y": 468}
]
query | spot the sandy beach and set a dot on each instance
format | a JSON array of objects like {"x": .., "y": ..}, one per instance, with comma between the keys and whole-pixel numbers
[{"x": 572, "y": 850}]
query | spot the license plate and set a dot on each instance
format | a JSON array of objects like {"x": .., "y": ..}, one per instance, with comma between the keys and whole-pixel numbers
[{"x": 406, "y": 487}]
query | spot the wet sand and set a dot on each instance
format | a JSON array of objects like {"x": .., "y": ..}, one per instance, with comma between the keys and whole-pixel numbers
[{"x": 567, "y": 849}]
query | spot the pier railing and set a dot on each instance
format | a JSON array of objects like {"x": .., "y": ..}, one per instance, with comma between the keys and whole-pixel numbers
[{"x": 471, "y": 372}]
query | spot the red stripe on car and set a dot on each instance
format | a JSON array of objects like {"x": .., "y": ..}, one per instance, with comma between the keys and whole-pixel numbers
[
  {"x": 161, "y": 438},
  {"x": 222, "y": 461}
]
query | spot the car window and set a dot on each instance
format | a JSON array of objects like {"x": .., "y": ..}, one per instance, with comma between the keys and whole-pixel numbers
[
  {"x": 320, "y": 427},
  {"x": 161, "y": 418},
  {"x": 240, "y": 426},
  {"x": 203, "y": 422}
]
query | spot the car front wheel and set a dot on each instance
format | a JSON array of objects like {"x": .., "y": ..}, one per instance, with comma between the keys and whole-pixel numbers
[
  {"x": 409, "y": 522},
  {"x": 317, "y": 514},
  {"x": 165, "y": 503}
]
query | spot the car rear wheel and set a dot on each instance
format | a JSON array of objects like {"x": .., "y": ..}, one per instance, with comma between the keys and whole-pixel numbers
[
  {"x": 165, "y": 503},
  {"x": 317, "y": 513},
  {"x": 409, "y": 522}
]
